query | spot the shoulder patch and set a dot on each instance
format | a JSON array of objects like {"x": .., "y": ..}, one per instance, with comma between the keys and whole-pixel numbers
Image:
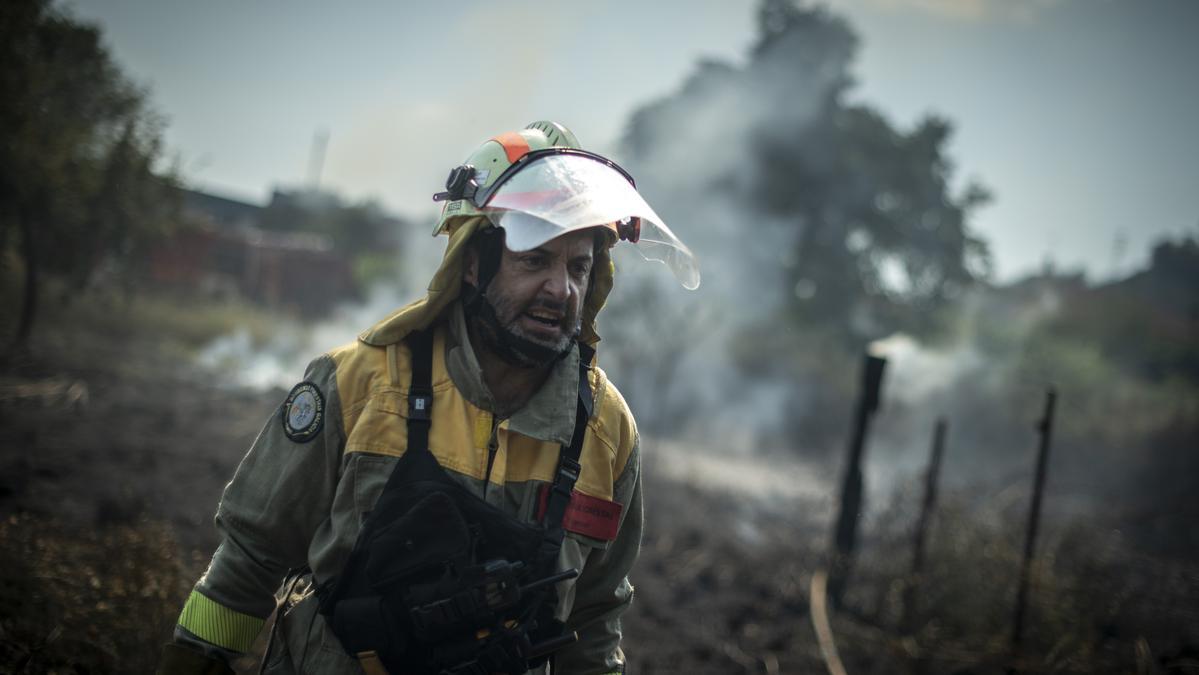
[{"x": 303, "y": 413}]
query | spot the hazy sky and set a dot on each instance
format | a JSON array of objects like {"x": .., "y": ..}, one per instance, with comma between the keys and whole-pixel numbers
[{"x": 1080, "y": 115}]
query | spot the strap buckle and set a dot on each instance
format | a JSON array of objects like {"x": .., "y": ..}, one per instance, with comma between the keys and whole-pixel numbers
[
  {"x": 568, "y": 470},
  {"x": 420, "y": 405}
]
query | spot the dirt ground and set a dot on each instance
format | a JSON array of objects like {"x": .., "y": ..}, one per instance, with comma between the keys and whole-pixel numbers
[{"x": 114, "y": 451}]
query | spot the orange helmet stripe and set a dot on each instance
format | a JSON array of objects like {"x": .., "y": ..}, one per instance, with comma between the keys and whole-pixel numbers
[{"x": 515, "y": 145}]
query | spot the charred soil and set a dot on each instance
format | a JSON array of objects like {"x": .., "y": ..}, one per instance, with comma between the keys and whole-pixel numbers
[{"x": 114, "y": 450}]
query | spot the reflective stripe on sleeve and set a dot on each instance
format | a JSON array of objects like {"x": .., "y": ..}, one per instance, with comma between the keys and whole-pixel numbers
[{"x": 215, "y": 623}]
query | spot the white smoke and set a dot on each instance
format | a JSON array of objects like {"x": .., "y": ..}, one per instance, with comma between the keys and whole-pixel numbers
[
  {"x": 258, "y": 367},
  {"x": 280, "y": 361},
  {"x": 669, "y": 349},
  {"x": 968, "y": 382}
]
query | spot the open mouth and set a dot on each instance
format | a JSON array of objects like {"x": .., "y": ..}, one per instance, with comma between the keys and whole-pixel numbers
[{"x": 545, "y": 318}]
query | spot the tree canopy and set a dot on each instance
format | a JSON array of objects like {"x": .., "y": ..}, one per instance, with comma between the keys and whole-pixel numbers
[
  {"x": 862, "y": 227},
  {"x": 820, "y": 226},
  {"x": 78, "y": 179}
]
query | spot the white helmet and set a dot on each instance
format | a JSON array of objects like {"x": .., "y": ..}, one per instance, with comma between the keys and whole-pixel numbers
[{"x": 538, "y": 184}]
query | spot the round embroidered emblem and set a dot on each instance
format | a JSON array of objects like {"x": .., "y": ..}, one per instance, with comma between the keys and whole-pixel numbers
[{"x": 303, "y": 413}]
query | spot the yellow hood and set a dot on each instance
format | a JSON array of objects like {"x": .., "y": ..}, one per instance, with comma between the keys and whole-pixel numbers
[{"x": 446, "y": 286}]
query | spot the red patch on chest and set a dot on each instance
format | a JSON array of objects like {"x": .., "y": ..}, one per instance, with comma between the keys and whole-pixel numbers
[{"x": 586, "y": 515}]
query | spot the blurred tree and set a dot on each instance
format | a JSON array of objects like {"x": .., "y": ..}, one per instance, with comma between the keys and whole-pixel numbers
[
  {"x": 820, "y": 226},
  {"x": 1148, "y": 323},
  {"x": 877, "y": 240},
  {"x": 77, "y": 180}
]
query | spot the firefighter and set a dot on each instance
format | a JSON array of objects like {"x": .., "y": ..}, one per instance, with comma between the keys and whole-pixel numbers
[{"x": 458, "y": 490}]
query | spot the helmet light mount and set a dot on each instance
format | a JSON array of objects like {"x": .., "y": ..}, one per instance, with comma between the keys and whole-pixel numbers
[{"x": 460, "y": 184}]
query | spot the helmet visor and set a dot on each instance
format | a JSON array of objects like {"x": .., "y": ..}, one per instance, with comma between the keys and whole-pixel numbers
[{"x": 560, "y": 193}]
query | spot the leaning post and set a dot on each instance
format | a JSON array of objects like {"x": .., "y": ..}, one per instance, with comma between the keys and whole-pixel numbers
[
  {"x": 845, "y": 534},
  {"x": 1045, "y": 428},
  {"x": 926, "y": 510}
]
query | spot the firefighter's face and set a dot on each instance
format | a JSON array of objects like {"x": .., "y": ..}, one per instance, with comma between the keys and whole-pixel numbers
[{"x": 538, "y": 294}]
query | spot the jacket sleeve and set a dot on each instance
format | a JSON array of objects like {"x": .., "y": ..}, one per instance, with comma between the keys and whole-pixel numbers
[
  {"x": 280, "y": 494},
  {"x": 603, "y": 591}
]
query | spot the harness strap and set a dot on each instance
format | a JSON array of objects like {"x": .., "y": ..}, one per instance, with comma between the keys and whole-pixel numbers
[
  {"x": 420, "y": 417},
  {"x": 568, "y": 470},
  {"x": 362, "y": 618},
  {"x": 420, "y": 391}
]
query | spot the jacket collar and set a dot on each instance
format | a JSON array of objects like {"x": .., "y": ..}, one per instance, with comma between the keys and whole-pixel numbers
[{"x": 550, "y": 413}]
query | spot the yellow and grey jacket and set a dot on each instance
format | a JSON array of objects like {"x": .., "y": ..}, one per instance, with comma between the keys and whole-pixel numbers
[{"x": 296, "y": 503}]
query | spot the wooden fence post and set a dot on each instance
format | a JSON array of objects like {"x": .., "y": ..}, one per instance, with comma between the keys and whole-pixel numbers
[
  {"x": 845, "y": 535},
  {"x": 1045, "y": 428},
  {"x": 926, "y": 511}
]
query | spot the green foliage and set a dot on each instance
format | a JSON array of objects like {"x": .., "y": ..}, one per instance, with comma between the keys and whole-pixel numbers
[
  {"x": 157, "y": 325},
  {"x": 192, "y": 325},
  {"x": 1124, "y": 358},
  {"x": 819, "y": 225},
  {"x": 370, "y": 268},
  {"x": 80, "y": 142},
  {"x": 77, "y": 168},
  {"x": 1147, "y": 324},
  {"x": 1105, "y": 404},
  {"x": 882, "y": 231},
  {"x": 879, "y": 240}
]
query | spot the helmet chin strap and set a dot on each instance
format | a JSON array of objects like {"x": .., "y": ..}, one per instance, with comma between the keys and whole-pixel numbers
[{"x": 509, "y": 347}]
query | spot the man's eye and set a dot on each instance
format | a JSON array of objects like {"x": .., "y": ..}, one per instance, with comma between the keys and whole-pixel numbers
[{"x": 580, "y": 269}]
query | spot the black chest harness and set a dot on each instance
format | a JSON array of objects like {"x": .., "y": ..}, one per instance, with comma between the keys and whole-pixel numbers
[{"x": 440, "y": 581}]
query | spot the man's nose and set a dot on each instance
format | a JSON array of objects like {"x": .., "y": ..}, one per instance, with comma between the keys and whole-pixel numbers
[{"x": 557, "y": 283}]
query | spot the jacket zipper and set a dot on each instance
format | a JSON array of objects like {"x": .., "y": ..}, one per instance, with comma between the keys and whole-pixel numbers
[{"x": 493, "y": 447}]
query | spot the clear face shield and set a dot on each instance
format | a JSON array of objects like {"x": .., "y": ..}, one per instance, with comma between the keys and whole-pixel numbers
[{"x": 548, "y": 193}]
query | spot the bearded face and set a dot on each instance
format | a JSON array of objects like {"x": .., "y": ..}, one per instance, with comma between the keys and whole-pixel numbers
[{"x": 531, "y": 312}]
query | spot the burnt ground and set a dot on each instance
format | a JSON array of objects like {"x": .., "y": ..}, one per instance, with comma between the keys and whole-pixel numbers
[{"x": 114, "y": 451}]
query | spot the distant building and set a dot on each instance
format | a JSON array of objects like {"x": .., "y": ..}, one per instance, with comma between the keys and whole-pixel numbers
[{"x": 223, "y": 250}]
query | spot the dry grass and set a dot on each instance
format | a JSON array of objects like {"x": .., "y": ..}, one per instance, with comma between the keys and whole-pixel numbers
[
  {"x": 88, "y": 583},
  {"x": 79, "y": 599},
  {"x": 1096, "y": 604}
]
